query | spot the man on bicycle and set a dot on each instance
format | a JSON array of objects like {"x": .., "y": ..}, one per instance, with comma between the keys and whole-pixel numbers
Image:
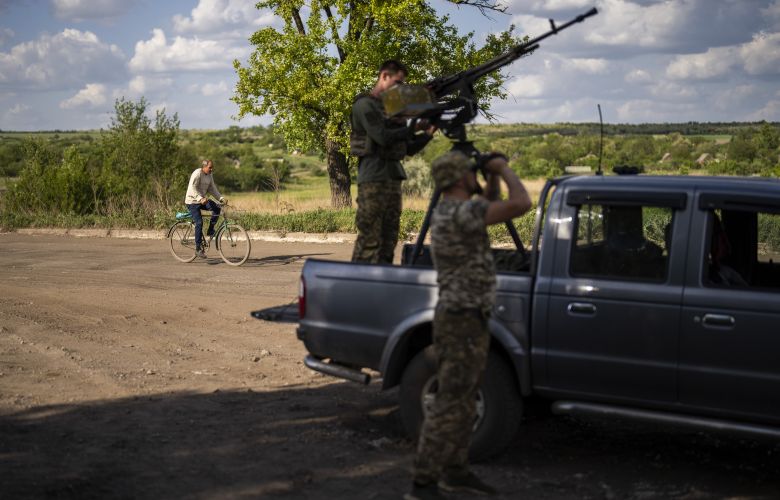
[{"x": 201, "y": 184}]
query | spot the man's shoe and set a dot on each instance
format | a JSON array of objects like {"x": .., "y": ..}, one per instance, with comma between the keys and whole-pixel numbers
[
  {"x": 466, "y": 483},
  {"x": 201, "y": 254},
  {"x": 424, "y": 492}
]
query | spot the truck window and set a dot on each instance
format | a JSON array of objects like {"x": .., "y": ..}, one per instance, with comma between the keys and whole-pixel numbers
[
  {"x": 622, "y": 242},
  {"x": 744, "y": 249}
]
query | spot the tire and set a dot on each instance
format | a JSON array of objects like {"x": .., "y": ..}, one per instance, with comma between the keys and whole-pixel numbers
[
  {"x": 181, "y": 237},
  {"x": 234, "y": 244},
  {"x": 499, "y": 405}
]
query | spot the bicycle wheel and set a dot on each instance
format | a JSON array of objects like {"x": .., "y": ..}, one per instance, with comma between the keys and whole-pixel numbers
[
  {"x": 182, "y": 240},
  {"x": 234, "y": 244}
]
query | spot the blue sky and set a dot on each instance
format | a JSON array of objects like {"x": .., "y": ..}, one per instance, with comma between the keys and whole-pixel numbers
[{"x": 64, "y": 62}]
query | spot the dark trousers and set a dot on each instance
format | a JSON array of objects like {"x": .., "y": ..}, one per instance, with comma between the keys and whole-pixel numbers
[{"x": 197, "y": 218}]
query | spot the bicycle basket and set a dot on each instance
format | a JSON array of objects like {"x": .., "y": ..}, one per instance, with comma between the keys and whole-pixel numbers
[{"x": 182, "y": 215}]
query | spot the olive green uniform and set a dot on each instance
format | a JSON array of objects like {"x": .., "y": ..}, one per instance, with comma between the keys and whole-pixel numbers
[
  {"x": 466, "y": 275},
  {"x": 383, "y": 144}
]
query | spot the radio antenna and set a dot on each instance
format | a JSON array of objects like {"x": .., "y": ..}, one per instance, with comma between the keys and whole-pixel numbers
[{"x": 601, "y": 140}]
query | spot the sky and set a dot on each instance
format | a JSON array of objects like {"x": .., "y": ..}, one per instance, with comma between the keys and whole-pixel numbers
[{"x": 63, "y": 63}]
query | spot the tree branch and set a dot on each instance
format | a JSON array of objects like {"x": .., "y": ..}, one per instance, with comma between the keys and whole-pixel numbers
[
  {"x": 484, "y": 6},
  {"x": 334, "y": 31},
  {"x": 298, "y": 21}
]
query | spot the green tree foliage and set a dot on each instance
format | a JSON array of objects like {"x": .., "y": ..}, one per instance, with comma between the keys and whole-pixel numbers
[
  {"x": 307, "y": 73},
  {"x": 136, "y": 165}
]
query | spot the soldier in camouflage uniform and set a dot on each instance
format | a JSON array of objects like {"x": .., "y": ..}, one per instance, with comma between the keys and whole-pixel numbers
[
  {"x": 464, "y": 262},
  {"x": 380, "y": 143}
]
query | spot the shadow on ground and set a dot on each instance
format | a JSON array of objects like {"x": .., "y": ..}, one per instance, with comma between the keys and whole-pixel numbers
[
  {"x": 343, "y": 441},
  {"x": 273, "y": 260},
  {"x": 331, "y": 442}
]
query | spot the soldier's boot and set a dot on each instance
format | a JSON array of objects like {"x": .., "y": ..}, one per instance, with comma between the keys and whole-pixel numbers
[
  {"x": 424, "y": 492},
  {"x": 466, "y": 482}
]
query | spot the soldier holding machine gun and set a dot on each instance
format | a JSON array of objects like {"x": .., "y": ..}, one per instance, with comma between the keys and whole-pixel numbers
[{"x": 380, "y": 144}]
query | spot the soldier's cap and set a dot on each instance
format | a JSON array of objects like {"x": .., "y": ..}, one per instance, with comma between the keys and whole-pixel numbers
[{"x": 447, "y": 169}]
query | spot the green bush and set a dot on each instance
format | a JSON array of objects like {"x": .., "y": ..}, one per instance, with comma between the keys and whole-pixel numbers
[
  {"x": 419, "y": 181},
  {"x": 136, "y": 166}
]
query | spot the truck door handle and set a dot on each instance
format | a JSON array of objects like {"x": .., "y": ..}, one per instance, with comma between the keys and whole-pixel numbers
[
  {"x": 718, "y": 320},
  {"x": 581, "y": 308}
]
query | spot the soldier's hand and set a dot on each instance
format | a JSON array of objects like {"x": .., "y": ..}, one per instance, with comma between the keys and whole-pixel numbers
[{"x": 495, "y": 163}]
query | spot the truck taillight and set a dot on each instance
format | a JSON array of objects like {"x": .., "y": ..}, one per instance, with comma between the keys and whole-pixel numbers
[{"x": 302, "y": 298}]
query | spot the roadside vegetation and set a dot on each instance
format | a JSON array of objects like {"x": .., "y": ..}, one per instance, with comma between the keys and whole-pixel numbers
[{"x": 134, "y": 173}]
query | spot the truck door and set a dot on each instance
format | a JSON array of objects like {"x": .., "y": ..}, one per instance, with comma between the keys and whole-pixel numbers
[
  {"x": 615, "y": 295},
  {"x": 730, "y": 334}
]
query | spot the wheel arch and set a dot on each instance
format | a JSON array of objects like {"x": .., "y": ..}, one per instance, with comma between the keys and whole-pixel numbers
[{"x": 416, "y": 333}]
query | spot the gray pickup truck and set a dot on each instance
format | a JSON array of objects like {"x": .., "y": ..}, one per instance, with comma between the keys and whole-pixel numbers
[{"x": 648, "y": 297}]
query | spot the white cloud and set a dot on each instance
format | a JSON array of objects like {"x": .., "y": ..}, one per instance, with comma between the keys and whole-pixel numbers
[
  {"x": 591, "y": 66},
  {"x": 232, "y": 17},
  {"x": 82, "y": 10},
  {"x": 623, "y": 28},
  {"x": 762, "y": 55},
  {"x": 211, "y": 89},
  {"x": 772, "y": 13},
  {"x": 734, "y": 97},
  {"x": 183, "y": 54},
  {"x": 637, "y": 76},
  {"x": 526, "y": 86},
  {"x": 142, "y": 85},
  {"x": 18, "y": 109},
  {"x": 670, "y": 91},
  {"x": 91, "y": 96},
  {"x": 641, "y": 110},
  {"x": 769, "y": 112},
  {"x": 714, "y": 63},
  {"x": 63, "y": 60}
]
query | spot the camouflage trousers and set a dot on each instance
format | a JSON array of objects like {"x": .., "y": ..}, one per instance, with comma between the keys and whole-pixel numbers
[
  {"x": 461, "y": 342},
  {"x": 378, "y": 219}
]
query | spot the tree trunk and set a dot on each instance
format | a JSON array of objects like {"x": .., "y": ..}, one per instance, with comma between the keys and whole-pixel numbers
[{"x": 338, "y": 172}]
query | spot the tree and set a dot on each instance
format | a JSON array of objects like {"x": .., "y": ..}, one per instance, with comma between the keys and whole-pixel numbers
[
  {"x": 307, "y": 73},
  {"x": 141, "y": 159}
]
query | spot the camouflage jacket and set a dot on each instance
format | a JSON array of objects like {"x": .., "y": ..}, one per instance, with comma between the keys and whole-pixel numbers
[{"x": 461, "y": 255}]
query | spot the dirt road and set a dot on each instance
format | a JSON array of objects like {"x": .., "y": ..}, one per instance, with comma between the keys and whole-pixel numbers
[{"x": 124, "y": 374}]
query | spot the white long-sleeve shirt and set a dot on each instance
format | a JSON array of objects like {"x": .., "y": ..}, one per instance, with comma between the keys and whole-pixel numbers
[{"x": 200, "y": 185}]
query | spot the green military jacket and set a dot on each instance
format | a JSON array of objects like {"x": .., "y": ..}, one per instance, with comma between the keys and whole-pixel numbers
[{"x": 389, "y": 141}]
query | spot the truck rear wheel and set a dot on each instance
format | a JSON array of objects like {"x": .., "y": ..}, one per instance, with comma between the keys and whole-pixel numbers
[{"x": 499, "y": 405}]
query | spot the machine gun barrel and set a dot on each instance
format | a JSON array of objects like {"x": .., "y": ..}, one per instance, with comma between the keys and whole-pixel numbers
[{"x": 445, "y": 85}]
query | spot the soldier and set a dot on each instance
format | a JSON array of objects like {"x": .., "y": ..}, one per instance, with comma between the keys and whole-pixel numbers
[
  {"x": 466, "y": 276},
  {"x": 380, "y": 144}
]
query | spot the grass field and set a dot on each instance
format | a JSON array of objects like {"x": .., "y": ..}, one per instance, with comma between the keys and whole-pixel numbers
[{"x": 306, "y": 192}]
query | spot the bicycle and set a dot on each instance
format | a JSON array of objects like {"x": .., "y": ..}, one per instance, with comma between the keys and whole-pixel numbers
[{"x": 232, "y": 240}]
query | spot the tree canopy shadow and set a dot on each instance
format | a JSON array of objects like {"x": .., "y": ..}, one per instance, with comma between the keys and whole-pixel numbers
[{"x": 337, "y": 441}]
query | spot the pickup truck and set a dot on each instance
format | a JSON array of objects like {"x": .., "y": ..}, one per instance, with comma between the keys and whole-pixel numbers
[{"x": 648, "y": 297}]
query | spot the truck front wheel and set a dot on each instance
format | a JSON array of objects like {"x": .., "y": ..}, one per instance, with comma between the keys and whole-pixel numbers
[{"x": 499, "y": 405}]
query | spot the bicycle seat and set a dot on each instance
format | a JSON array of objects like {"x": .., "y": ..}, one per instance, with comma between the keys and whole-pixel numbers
[{"x": 182, "y": 215}]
